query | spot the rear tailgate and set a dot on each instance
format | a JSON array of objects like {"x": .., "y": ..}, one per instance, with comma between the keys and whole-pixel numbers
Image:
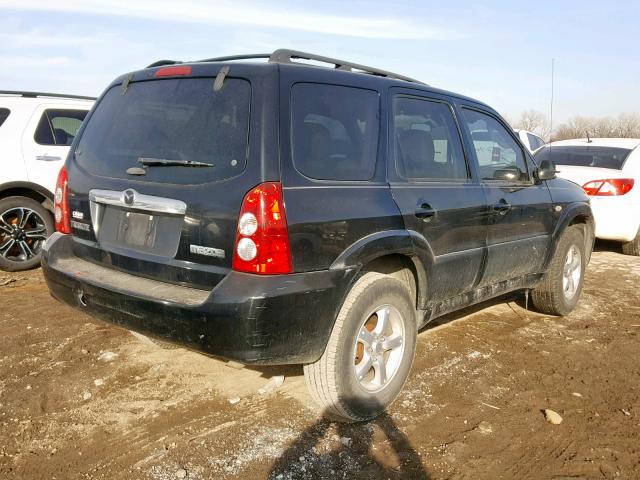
[{"x": 136, "y": 206}]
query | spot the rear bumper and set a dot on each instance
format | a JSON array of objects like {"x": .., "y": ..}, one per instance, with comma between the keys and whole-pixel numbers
[
  {"x": 616, "y": 218},
  {"x": 253, "y": 319}
]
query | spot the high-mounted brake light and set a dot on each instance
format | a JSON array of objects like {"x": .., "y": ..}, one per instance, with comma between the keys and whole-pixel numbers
[
  {"x": 262, "y": 238},
  {"x": 173, "y": 71},
  {"x": 608, "y": 187},
  {"x": 61, "y": 203}
]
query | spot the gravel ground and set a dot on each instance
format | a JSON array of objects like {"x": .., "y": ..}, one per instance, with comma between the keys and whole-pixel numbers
[{"x": 83, "y": 399}]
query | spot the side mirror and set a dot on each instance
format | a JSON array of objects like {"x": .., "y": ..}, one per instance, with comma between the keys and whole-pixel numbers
[{"x": 546, "y": 170}]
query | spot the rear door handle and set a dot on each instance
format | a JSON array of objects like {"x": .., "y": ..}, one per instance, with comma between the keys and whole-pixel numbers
[
  {"x": 425, "y": 212},
  {"x": 501, "y": 208},
  {"x": 48, "y": 158}
]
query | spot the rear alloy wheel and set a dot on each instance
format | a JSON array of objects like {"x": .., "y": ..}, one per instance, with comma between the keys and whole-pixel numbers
[
  {"x": 24, "y": 227},
  {"x": 560, "y": 288},
  {"x": 369, "y": 353},
  {"x": 632, "y": 247}
]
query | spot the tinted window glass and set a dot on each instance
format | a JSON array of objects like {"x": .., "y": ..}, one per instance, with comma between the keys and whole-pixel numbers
[
  {"x": 585, "y": 156},
  {"x": 4, "y": 113},
  {"x": 427, "y": 142},
  {"x": 500, "y": 157},
  {"x": 334, "y": 131},
  {"x": 534, "y": 141},
  {"x": 59, "y": 127},
  {"x": 173, "y": 119}
]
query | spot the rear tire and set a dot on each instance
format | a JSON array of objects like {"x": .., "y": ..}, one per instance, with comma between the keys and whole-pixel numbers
[
  {"x": 560, "y": 288},
  {"x": 24, "y": 226},
  {"x": 632, "y": 247},
  {"x": 369, "y": 353}
]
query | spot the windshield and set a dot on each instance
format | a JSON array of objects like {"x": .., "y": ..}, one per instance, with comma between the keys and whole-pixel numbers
[
  {"x": 585, "y": 156},
  {"x": 175, "y": 119}
]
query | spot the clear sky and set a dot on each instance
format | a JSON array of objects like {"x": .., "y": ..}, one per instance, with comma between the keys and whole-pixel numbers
[{"x": 496, "y": 51}]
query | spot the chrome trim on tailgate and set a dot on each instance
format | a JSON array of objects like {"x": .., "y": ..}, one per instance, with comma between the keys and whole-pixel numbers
[{"x": 132, "y": 199}]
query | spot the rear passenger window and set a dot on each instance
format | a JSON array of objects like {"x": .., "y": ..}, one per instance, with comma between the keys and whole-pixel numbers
[
  {"x": 334, "y": 131},
  {"x": 4, "y": 113},
  {"x": 499, "y": 156},
  {"x": 427, "y": 142},
  {"x": 59, "y": 127}
]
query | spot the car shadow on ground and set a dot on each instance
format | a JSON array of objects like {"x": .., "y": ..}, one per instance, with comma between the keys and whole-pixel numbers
[
  {"x": 607, "y": 246},
  {"x": 365, "y": 450}
]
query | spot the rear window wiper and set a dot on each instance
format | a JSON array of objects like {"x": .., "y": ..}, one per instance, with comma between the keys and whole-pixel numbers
[{"x": 166, "y": 162}]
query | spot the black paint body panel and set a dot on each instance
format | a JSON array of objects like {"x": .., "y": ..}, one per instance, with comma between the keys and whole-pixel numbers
[{"x": 463, "y": 255}]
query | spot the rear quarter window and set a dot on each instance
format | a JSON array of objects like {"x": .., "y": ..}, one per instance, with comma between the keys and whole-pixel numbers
[
  {"x": 334, "y": 131},
  {"x": 4, "y": 114}
]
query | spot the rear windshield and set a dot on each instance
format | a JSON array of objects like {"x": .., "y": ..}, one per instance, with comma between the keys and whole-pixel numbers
[
  {"x": 172, "y": 119},
  {"x": 585, "y": 156}
]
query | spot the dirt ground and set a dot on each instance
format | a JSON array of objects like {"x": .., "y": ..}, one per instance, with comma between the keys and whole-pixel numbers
[{"x": 83, "y": 399}]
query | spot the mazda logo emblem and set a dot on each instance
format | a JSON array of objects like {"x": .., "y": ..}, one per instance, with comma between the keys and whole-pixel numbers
[{"x": 129, "y": 196}]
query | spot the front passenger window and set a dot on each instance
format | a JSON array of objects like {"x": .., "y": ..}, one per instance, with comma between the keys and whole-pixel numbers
[{"x": 499, "y": 156}]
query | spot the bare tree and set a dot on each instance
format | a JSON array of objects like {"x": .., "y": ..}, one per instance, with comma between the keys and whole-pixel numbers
[
  {"x": 626, "y": 125},
  {"x": 533, "y": 121}
]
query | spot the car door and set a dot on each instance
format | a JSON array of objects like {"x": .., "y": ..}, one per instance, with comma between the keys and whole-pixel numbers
[
  {"x": 521, "y": 220},
  {"x": 46, "y": 141},
  {"x": 436, "y": 191}
]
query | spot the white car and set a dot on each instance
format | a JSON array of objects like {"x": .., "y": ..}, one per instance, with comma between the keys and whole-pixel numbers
[
  {"x": 530, "y": 140},
  {"x": 608, "y": 169},
  {"x": 36, "y": 130}
]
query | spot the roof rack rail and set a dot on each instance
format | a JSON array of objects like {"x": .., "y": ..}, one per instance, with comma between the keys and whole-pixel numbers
[
  {"x": 286, "y": 56},
  {"x": 43, "y": 94},
  {"x": 237, "y": 57}
]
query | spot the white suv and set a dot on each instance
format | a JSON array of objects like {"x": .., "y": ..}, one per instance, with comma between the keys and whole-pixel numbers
[{"x": 36, "y": 130}]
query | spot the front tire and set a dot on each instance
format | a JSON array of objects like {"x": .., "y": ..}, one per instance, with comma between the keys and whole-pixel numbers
[
  {"x": 24, "y": 226},
  {"x": 560, "y": 288},
  {"x": 632, "y": 247},
  {"x": 369, "y": 353}
]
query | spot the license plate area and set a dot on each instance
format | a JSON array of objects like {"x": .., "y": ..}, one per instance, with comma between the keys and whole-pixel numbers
[{"x": 147, "y": 232}]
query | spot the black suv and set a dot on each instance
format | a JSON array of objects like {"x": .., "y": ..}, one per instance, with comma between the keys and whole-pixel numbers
[{"x": 281, "y": 212}]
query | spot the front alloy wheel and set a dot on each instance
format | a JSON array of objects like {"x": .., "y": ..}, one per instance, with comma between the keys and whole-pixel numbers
[
  {"x": 559, "y": 290},
  {"x": 572, "y": 272}
]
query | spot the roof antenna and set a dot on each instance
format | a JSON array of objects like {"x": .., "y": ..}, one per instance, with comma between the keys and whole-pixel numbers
[
  {"x": 551, "y": 108},
  {"x": 553, "y": 60},
  {"x": 588, "y": 137}
]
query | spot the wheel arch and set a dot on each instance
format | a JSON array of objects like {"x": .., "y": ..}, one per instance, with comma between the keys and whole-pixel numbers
[
  {"x": 574, "y": 214},
  {"x": 30, "y": 190},
  {"x": 402, "y": 254}
]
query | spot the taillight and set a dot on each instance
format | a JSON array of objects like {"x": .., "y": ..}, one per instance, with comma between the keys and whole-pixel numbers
[
  {"x": 262, "y": 237},
  {"x": 609, "y": 187},
  {"x": 61, "y": 203}
]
